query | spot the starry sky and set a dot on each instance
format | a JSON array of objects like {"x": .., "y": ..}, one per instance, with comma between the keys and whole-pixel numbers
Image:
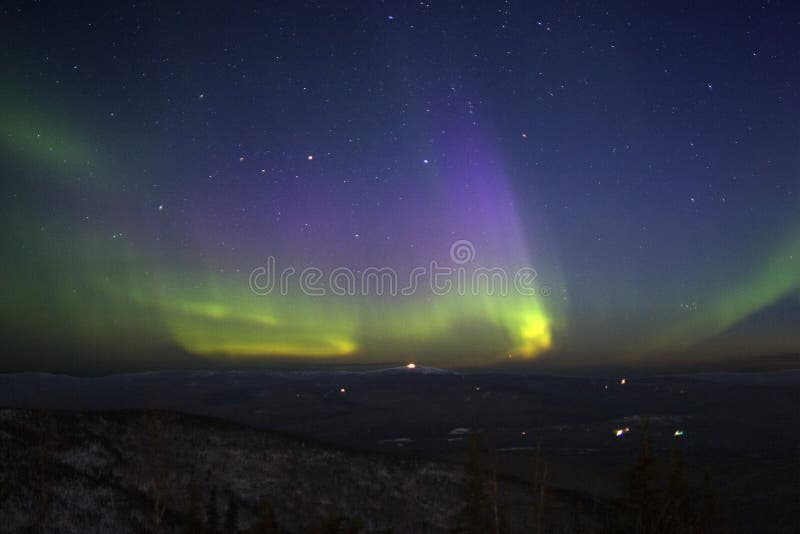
[{"x": 641, "y": 159}]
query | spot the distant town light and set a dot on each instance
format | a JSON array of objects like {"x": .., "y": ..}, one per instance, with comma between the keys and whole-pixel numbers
[
  {"x": 411, "y": 365},
  {"x": 622, "y": 381},
  {"x": 342, "y": 390},
  {"x": 678, "y": 433},
  {"x": 621, "y": 432}
]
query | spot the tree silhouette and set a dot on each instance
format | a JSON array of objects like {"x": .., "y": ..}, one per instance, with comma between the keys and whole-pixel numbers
[
  {"x": 194, "y": 521},
  {"x": 496, "y": 511},
  {"x": 157, "y": 471},
  {"x": 46, "y": 431},
  {"x": 709, "y": 513},
  {"x": 335, "y": 523},
  {"x": 539, "y": 485},
  {"x": 677, "y": 512},
  {"x": 266, "y": 522},
  {"x": 643, "y": 498},
  {"x": 212, "y": 516},
  {"x": 232, "y": 515},
  {"x": 668, "y": 509},
  {"x": 475, "y": 515}
]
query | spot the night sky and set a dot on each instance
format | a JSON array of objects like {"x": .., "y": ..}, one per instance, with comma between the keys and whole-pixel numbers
[{"x": 643, "y": 159}]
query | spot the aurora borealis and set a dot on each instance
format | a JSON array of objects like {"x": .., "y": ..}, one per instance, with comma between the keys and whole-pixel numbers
[{"x": 643, "y": 161}]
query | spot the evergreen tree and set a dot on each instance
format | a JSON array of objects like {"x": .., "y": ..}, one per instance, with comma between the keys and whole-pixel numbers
[
  {"x": 475, "y": 515},
  {"x": 232, "y": 515},
  {"x": 157, "y": 469},
  {"x": 496, "y": 509},
  {"x": 677, "y": 508},
  {"x": 539, "y": 485},
  {"x": 336, "y": 523},
  {"x": 266, "y": 522},
  {"x": 643, "y": 501},
  {"x": 42, "y": 476},
  {"x": 709, "y": 514},
  {"x": 194, "y": 521},
  {"x": 212, "y": 516}
]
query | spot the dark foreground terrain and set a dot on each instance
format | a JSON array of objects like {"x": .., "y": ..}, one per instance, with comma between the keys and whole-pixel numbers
[
  {"x": 138, "y": 471},
  {"x": 386, "y": 450}
]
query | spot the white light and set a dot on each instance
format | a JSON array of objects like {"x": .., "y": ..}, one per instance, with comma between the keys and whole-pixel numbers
[
  {"x": 622, "y": 381},
  {"x": 342, "y": 390},
  {"x": 678, "y": 433},
  {"x": 411, "y": 365},
  {"x": 619, "y": 432}
]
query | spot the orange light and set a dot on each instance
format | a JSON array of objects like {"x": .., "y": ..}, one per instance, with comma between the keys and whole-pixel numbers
[
  {"x": 342, "y": 390},
  {"x": 412, "y": 365},
  {"x": 622, "y": 381}
]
